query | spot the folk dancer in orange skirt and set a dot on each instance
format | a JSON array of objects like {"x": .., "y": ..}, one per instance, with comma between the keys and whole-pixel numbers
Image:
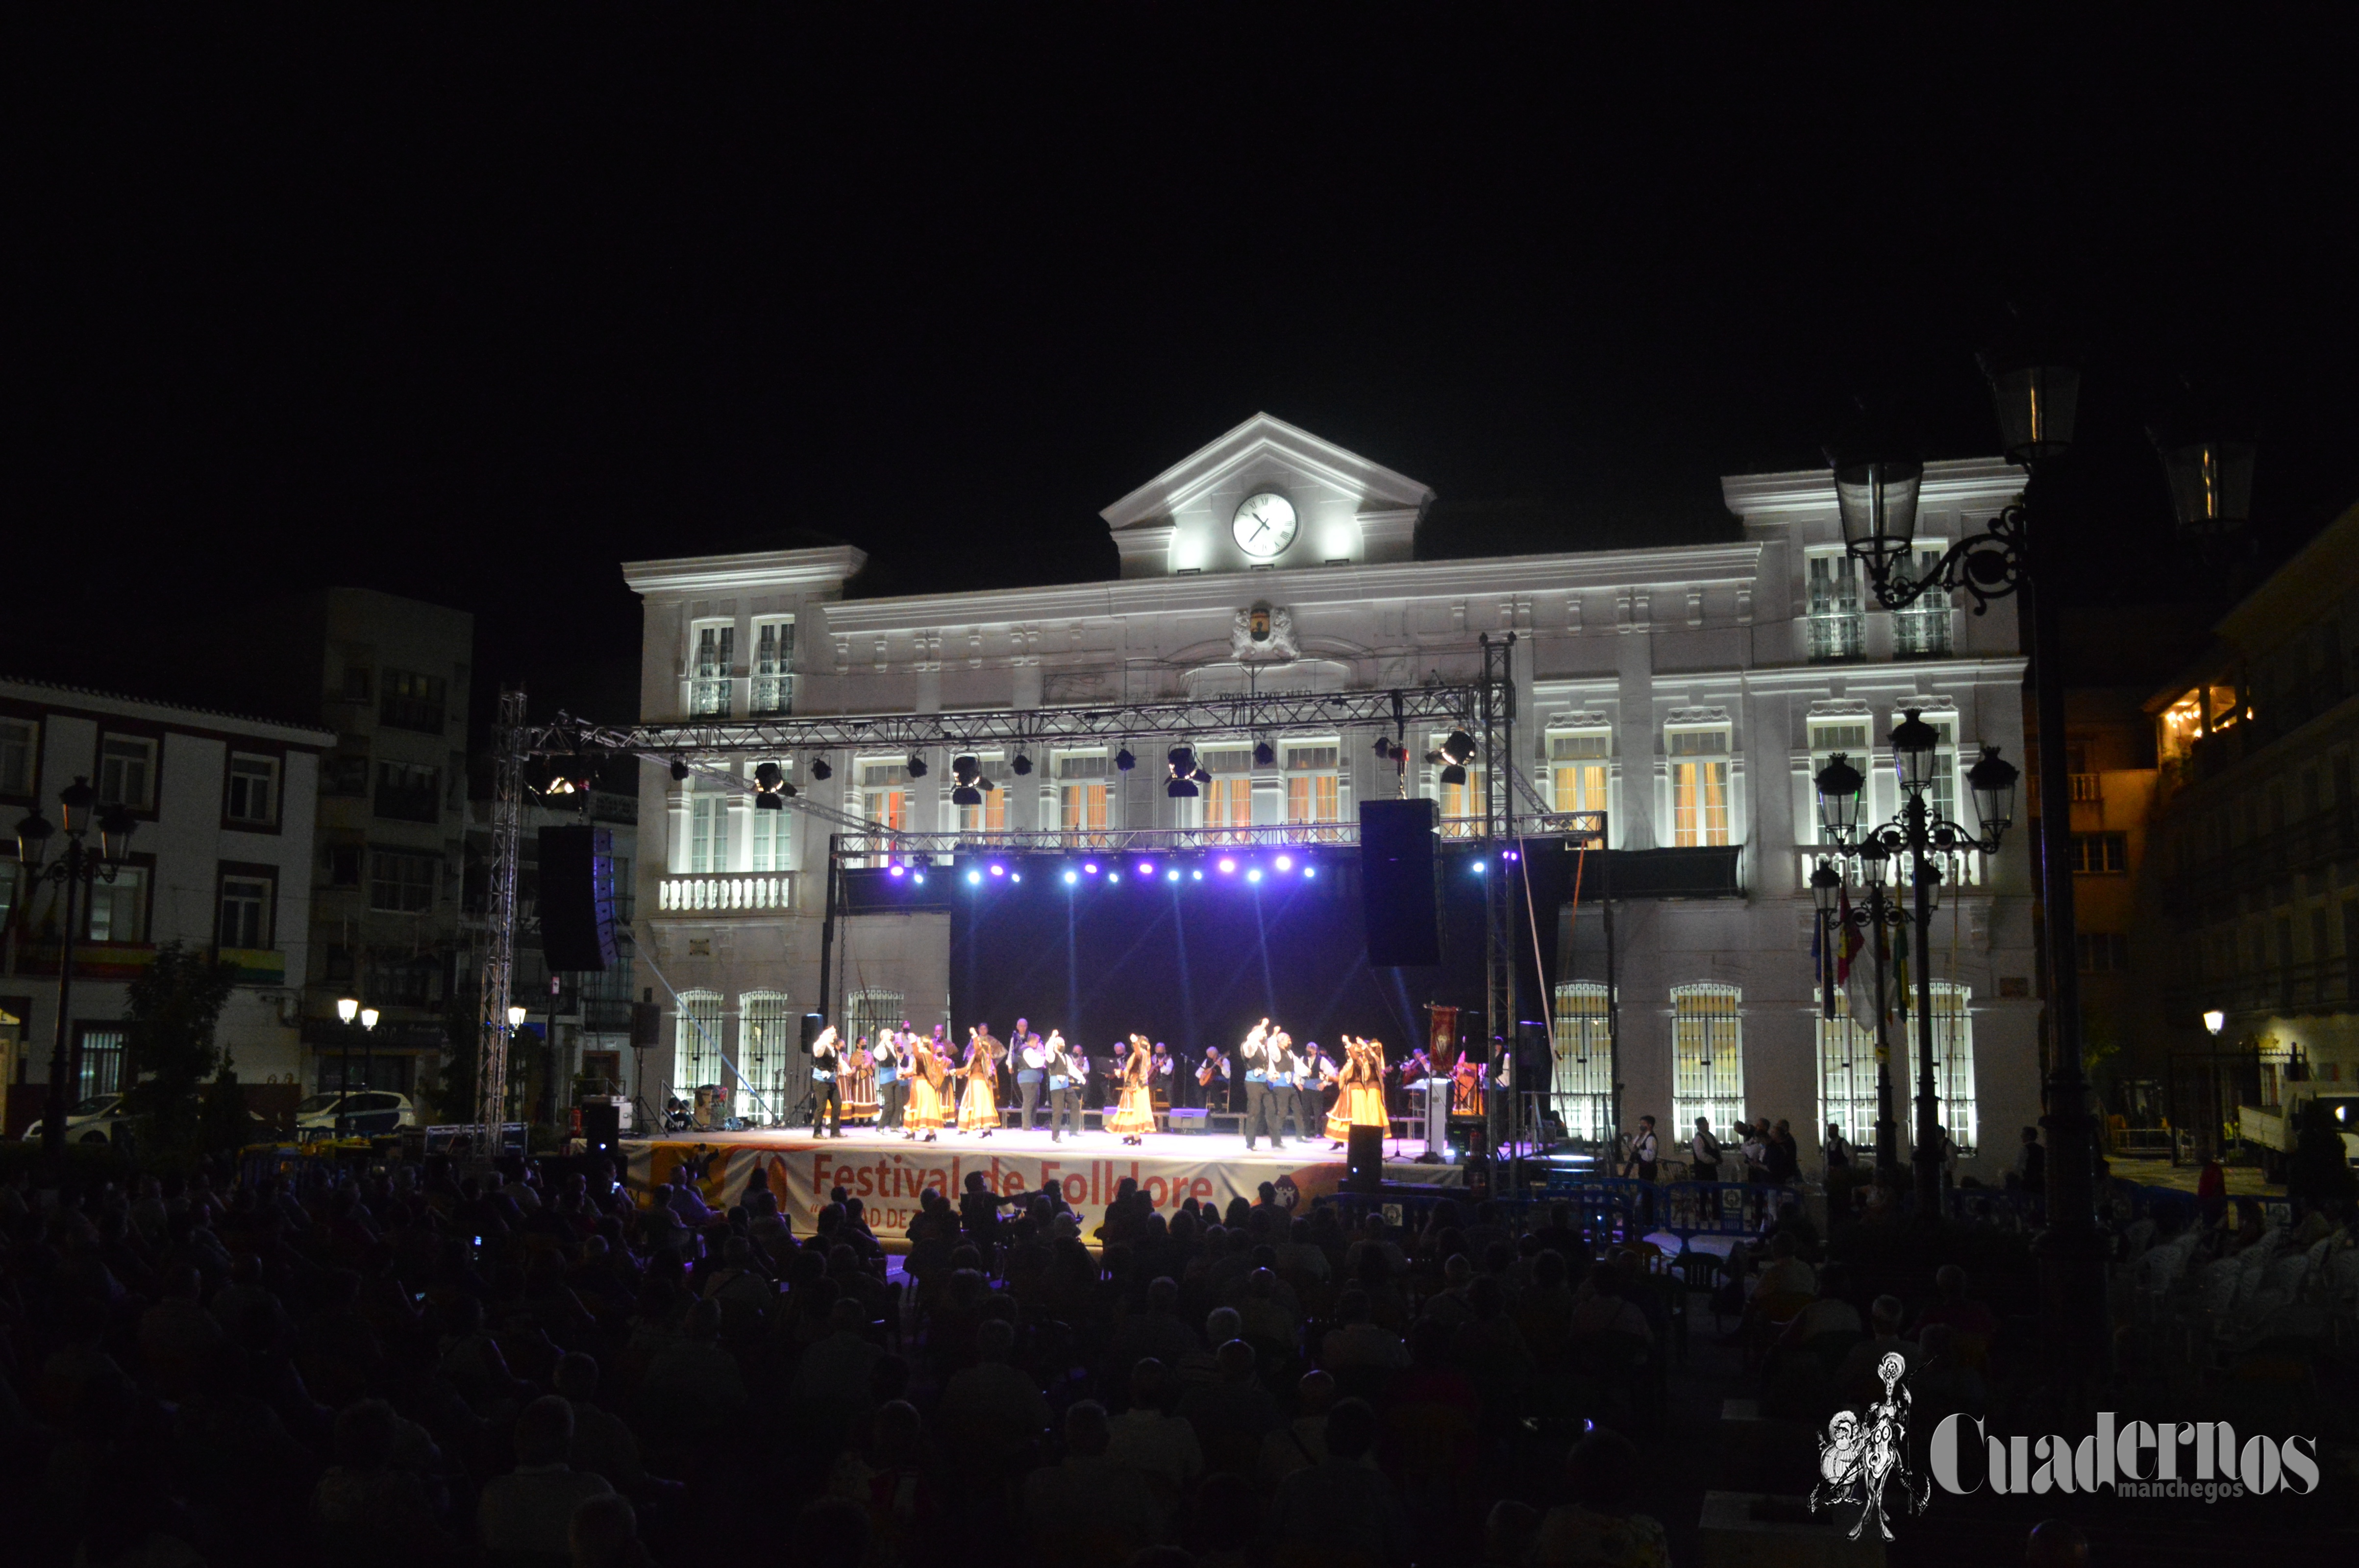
[
  {"x": 1134, "y": 1115},
  {"x": 928, "y": 1077},
  {"x": 978, "y": 1110},
  {"x": 1361, "y": 1102},
  {"x": 860, "y": 1083}
]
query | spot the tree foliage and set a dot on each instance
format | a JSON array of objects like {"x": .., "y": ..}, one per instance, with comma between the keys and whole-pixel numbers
[{"x": 168, "y": 1050}]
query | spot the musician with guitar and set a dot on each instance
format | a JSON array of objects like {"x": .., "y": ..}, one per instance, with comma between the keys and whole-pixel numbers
[{"x": 1214, "y": 1069}]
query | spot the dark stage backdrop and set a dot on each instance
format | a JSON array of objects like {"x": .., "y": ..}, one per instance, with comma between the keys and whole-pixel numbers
[{"x": 1196, "y": 963}]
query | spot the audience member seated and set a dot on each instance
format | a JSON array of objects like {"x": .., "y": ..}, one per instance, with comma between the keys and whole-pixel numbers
[
  {"x": 526, "y": 1516},
  {"x": 1089, "y": 1510},
  {"x": 1340, "y": 1512}
]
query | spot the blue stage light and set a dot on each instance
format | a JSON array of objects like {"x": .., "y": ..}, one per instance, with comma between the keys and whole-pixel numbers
[
  {"x": 1481, "y": 866},
  {"x": 1253, "y": 875},
  {"x": 1015, "y": 876},
  {"x": 1091, "y": 867},
  {"x": 999, "y": 870},
  {"x": 1227, "y": 865},
  {"x": 1285, "y": 862},
  {"x": 899, "y": 871},
  {"x": 1114, "y": 876},
  {"x": 1072, "y": 877},
  {"x": 974, "y": 876},
  {"x": 1173, "y": 875},
  {"x": 1309, "y": 872},
  {"x": 1197, "y": 875},
  {"x": 1145, "y": 867},
  {"x": 920, "y": 879}
]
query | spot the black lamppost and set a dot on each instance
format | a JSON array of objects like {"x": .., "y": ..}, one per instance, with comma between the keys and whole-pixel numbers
[
  {"x": 1873, "y": 917},
  {"x": 349, "y": 1009},
  {"x": 76, "y": 870},
  {"x": 1923, "y": 835}
]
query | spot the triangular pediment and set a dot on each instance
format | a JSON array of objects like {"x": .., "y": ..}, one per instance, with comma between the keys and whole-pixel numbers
[{"x": 1350, "y": 509}]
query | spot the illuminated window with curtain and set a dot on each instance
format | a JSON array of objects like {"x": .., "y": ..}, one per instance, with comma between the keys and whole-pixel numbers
[
  {"x": 774, "y": 665},
  {"x": 1942, "y": 797},
  {"x": 773, "y": 1072},
  {"x": 1699, "y": 762},
  {"x": 1835, "y": 620},
  {"x": 696, "y": 1042},
  {"x": 708, "y": 827},
  {"x": 1082, "y": 792},
  {"x": 885, "y": 794},
  {"x": 1847, "y": 737},
  {"x": 711, "y": 656},
  {"x": 1314, "y": 790},
  {"x": 991, "y": 816},
  {"x": 1227, "y": 799},
  {"x": 1577, "y": 769},
  {"x": 1581, "y": 1086},
  {"x": 1953, "y": 1062},
  {"x": 1924, "y": 627},
  {"x": 1846, "y": 1077},
  {"x": 866, "y": 1011},
  {"x": 1461, "y": 804},
  {"x": 774, "y": 833},
  {"x": 1707, "y": 1059}
]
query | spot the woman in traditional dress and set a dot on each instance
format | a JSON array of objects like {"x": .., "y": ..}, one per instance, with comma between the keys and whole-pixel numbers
[
  {"x": 1467, "y": 1082},
  {"x": 978, "y": 1108},
  {"x": 928, "y": 1074},
  {"x": 1134, "y": 1115},
  {"x": 860, "y": 1083},
  {"x": 1361, "y": 1081}
]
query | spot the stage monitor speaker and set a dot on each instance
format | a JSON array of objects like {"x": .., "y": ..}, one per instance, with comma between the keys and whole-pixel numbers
[
  {"x": 1401, "y": 881},
  {"x": 812, "y": 1024},
  {"x": 602, "y": 1126},
  {"x": 577, "y": 898},
  {"x": 646, "y": 1025},
  {"x": 1364, "y": 1160}
]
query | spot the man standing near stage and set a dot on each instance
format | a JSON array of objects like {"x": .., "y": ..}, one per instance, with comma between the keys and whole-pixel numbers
[
  {"x": 827, "y": 1099},
  {"x": 1031, "y": 1068},
  {"x": 1314, "y": 1075},
  {"x": 1066, "y": 1072},
  {"x": 1285, "y": 1089},
  {"x": 889, "y": 1089},
  {"x": 1256, "y": 1054}
]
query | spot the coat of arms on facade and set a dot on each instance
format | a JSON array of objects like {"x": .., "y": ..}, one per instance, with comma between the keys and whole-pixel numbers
[
  {"x": 1866, "y": 1450},
  {"x": 1263, "y": 632}
]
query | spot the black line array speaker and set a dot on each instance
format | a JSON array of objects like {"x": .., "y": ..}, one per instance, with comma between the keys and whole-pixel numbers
[
  {"x": 1401, "y": 881},
  {"x": 812, "y": 1024},
  {"x": 646, "y": 1025},
  {"x": 1364, "y": 1160},
  {"x": 602, "y": 1126},
  {"x": 577, "y": 898}
]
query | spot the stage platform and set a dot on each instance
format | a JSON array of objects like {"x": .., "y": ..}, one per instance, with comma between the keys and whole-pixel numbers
[{"x": 888, "y": 1172}]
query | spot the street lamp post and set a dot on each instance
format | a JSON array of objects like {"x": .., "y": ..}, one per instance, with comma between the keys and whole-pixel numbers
[
  {"x": 1927, "y": 838},
  {"x": 348, "y": 1011},
  {"x": 76, "y": 870},
  {"x": 1873, "y": 917}
]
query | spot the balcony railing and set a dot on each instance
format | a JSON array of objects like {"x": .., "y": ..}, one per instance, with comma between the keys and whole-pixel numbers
[
  {"x": 1960, "y": 868},
  {"x": 1917, "y": 633},
  {"x": 727, "y": 892},
  {"x": 1836, "y": 635},
  {"x": 2087, "y": 788}
]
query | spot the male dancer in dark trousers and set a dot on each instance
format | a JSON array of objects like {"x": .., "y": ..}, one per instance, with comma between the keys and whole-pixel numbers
[
  {"x": 1286, "y": 1087},
  {"x": 1256, "y": 1052},
  {"x": 1025, "y": 1052},
  {"x": 827, "y": 1098},
  {"x": 891, "y": 1090},
  {"x": 1066, "y": 1072}
]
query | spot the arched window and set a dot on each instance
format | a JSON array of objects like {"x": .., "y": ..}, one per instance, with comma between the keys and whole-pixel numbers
[
  {"x": 1580, "y": 1087},
  {"x": 1847, "y": 1077},
  {"x": 1707, "y": 1057},
  {"x": 697, "y": 1043},
  {"x": 773, "y": 1073},
  {"x": 1953, "y": 1061}
]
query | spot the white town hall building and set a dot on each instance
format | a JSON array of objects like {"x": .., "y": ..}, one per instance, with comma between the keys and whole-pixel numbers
[{"x": 1690, "y": 691}]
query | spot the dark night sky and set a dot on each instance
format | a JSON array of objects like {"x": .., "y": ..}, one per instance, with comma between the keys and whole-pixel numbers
[{"x": 385, "y": 297}]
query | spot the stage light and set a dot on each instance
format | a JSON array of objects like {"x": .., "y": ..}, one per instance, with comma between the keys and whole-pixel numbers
[
  {"x": 966, "y": 794},
  {"x": 998, "y": 871},
  {"x": 1181, "y": 784},
  {"x": 679, "y": 771},
  {"x": 1309, "y": 872},
  {"x": 1091, "y": 867},
  {"x": 1173, "y": 874},
  {"x": 1285, "y": 862},
  {"x": 918, "y": 878},
  {"x": 1114, "y": 876},
  {"x": 1124, "y": 760},
  {"x": 1227, "y": 865},
  {"x": 767, "y": 775},
  {"x": 900, "y": 872},
  {"x": 1021, "y": 766},
  {"x": 1199, "y": 876},
  {"x": 1458, "y": 747},
  {"x": 1383, "y": 746},
  {"x": 1265, "y": 754},
  {"x": 767, "y": 802},
  {"x": 820, "y": 769},
  {"x": 916, "y": 766},
  {"x": 1015, "y": 876},
  {"x": 1253, "y": 875},
  {"x": 974, "y": 876},
  {"x": 1481, "y": 866},
  {"x": 1071, "y": 877},
  {"x": 1145, "y": 867}
]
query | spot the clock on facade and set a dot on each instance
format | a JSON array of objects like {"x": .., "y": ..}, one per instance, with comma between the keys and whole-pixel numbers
[{"x": 1265, "y": 524}]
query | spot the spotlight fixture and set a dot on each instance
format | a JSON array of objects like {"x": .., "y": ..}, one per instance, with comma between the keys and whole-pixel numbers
[
  {"x": 1265, "y": 754},
  {"x": 1182, "y": 785},
  {"x": 974, "y": 876},
  {"x": 1227, "y": 865},
  {"x": 1145, "y": 867},
  {"x": 1091, "y": 867},
  {"x": 968, "y": 775},
  {"x": 1253, "y": 875},
  {"x": 1458, "y": 747},
  {"x": 997, "y": 870},
  {"x": 679, "y": 771},
  {"x": 1021, "y": 766},
  {"x": 901, "y": 870},
  {"x": 1285, "y": 862},
  {"x": 1309, "y": 872},
  {"x": 917, "y": 765},
  {"x": 1173, "y": 874},
  {"x": 765, "y": 801},
  {"x": 966, "y": 794},
  {"x": 1114, "y": 876},
  {"x": 1383, "y": 746},
  {"x": 1124, "y": 760},
  {"x": 820, "y": 768},
  {"x": 767, "y": 776},
  {"x": 1197, "y": 875},
  {"x": 1071, "y": 879}
]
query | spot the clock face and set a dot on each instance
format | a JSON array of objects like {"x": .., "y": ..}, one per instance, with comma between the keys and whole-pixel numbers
[{"x": 1265, "y": 524}]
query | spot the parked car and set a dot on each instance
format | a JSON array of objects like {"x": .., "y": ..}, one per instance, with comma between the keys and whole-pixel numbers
[
  {"x": 367, "y": 1112},
  {"x": 92, "y": 1122}
]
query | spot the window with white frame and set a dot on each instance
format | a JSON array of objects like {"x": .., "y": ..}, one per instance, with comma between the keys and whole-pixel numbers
[
  {"x": 1953, "y": 1062},
  {"x": 402, "y": 883},
  {"x": 118, "y": 909},
  {"x": 100, "y": 1047},
  {"x": 696, "y": 1059},
  {"x": 1924, "y": 627},
  {"x": 1081, "y": 791},
  {"x": 1836, "y": 624},
  {"x": 1314, "y": 785},
  {"x": 1579, "y": 761},
  {"x": 1846, "y": 1076},
  {"x": 867, "y": 1012},
  {"x": 1461, "y": 804},
  {"x": 1699, "y": 766},
  {"x": 1941, "y": 795},
  {"x": 713, "y": 650},
  {"x": 1845, "y": 736},
  {"x": 774, "y": 665},
  {"x": 20, "y": 744},
  {"x": 708, "y": 827},
  {"x": 885, "y": 794},
  {"x": 1226, "y": 805},
  {"x": 1707, "y": 1057},
  {"x": 253, "y": 789},
  {"x": 773, "y": 834},
  {"x": 1580, "y": 1086},
  {"x": 772, "y": 1072},
  {"x": 244, "y": 920},
  {"x": 126, "y": 772}
]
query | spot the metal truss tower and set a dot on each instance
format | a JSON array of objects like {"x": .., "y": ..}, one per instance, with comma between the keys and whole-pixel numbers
[
  {"x": 1505, "y": 1091},
  {"x": 509, "y": 741}
]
